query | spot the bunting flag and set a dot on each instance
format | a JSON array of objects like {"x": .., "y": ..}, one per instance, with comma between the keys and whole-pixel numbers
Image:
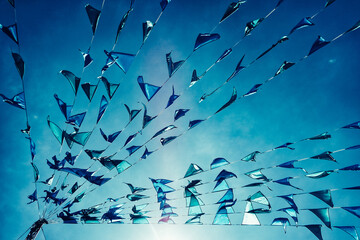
[
  {"x": 305, "y": 22},
  {"x": 355, "y": 125},
  {"x": 12, "y": 2},
  {"x": 172, "y": 98},
  {"x": 329, "y": 2},
  {"x": 218, "y": 162},
  {"x": 33, "y": 197},
  {"x": 147, "y": 27},
  {"x": 325, "y": 196},
  {"x": 194, "y": 78},
  {"x": 164, "y": 4},
  {"x": 195, "y": 220},
  {"x": 192, "y": 170},
  {"x": 146, "y": 119},
  {"x": 122, "y": 23},
  {"x": 353, "y": 210},
  {"x": 132, "y": 113},
  {"x": 250, "y": 26},
  {"x": 205, "y": 38},
  {"x": 110, "y": 87},
  {"x": 249, "y": 217},
  {"x": 17, "y": 101},
  {"x": 87, "y": 58},
  {"x": 319, "y": 43},
  {"x": 231, "y": 101},
  {"x": 146, "y": 153},
  {"x": 290, "y": 200},
  {"x": 149, "y": 90},
  {"x": 172, "y": 66},
  {"x": 291, "y": 212},
  {"x": 56, "y": 130},
  {"x": 36, "y": 172},
  {"x": 113, "y": 215},
  {"x": 323, "y": 215},
  {"x": 11, "y": 31},
  {"x": 180, "y": 113},
  {"x": 285, "y": 66},
  {"x": 232, "y": 8},
  {"x": 111, "y": 137},
  {"x": 89, "y": 90},
  {"x": 103, "y": 105},
  {"x": 93, "y": 15},
  {"x": 349, "y": 230},
  {"x": 315, "y": 229},
  {"x": 258, "y": 175},
  {"x": 194, "y": 123},
  {"x": 73, "y": 80},
  {"x": 130, "y": 138},
  {"x": 122, "y": 60},
  {"x": 64, "y": 108},
  {"x": 281, "y": 222},
  {"x": 19, "y": 63},
  {"x": 135, "y": 189},
  {"x": 76, "y": 119}
]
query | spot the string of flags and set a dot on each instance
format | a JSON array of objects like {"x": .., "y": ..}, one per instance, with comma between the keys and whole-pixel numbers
[{"x": 61, "y": 195}]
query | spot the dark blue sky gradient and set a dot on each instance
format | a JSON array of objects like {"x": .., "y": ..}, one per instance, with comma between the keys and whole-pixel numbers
[{"x": 318, "y": 94}]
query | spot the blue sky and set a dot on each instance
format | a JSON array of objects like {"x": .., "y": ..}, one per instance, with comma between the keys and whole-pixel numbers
[{"x": 317, "y": 95}]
